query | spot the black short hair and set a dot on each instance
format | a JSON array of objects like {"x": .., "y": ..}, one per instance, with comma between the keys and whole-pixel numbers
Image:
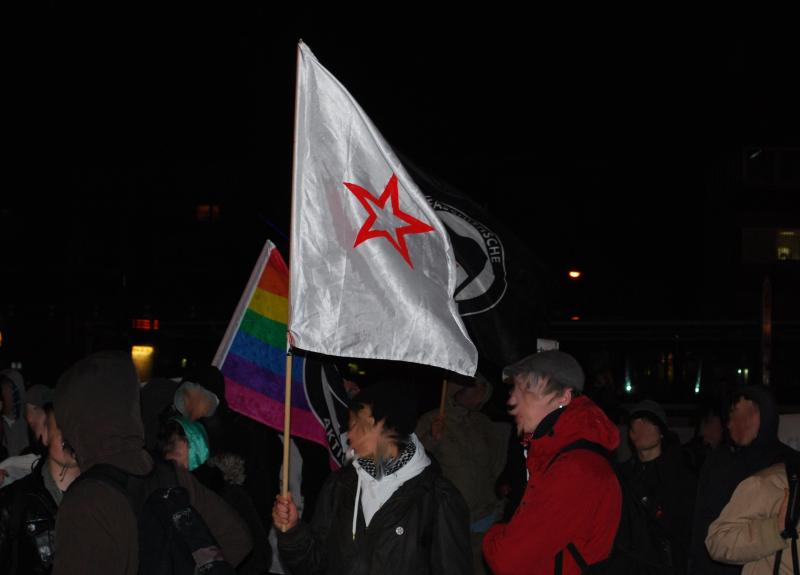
[{"x": 392, "y": 400}]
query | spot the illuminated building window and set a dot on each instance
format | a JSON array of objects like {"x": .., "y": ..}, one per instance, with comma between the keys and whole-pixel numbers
[
  {"x": 768, "y": 245},
  {"x": 207, "y": 212},
  {"x": 788, "y": 244},
  {"x": 145, "y": 324}
]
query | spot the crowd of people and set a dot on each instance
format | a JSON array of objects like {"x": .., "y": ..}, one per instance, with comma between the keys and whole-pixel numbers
[{"x": 102, "y": 473}]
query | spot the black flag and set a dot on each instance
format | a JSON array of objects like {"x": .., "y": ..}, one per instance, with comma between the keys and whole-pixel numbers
[
  {"x": 501, "y": 293},
  {"x": 328, "y": 400}
]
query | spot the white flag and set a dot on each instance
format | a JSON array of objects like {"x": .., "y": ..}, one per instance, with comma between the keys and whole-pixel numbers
[{"x": 372, "y": 269}]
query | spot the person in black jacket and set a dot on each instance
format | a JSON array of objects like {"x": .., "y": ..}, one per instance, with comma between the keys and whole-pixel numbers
[
  {"x": 186, "y": 443},
  {"x": 390, "y": 511},
  {"x": 661, "y": 480},
  {"x": 30, "y": 520}
]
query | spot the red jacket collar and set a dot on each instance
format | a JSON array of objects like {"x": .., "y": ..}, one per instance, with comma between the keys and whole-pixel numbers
[{"x": 582, "y": 419}]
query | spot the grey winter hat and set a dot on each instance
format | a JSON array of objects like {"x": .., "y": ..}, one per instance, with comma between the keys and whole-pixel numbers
[
  {"x": 558, "y": 365},
  {"x": 179, "y": 398},
  {"x": 649, "y": 409}
]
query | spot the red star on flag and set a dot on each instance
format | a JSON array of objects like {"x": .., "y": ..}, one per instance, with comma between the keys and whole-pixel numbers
[{"x": 398, "y": 238}]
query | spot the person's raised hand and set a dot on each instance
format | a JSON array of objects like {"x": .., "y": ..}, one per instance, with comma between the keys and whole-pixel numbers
[
  {"x": 437, "y": 427},
  {"x": 284, "y": 513}
]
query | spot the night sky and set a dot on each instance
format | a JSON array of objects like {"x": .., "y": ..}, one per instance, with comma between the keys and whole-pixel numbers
[{"x": 594, "y": 137}]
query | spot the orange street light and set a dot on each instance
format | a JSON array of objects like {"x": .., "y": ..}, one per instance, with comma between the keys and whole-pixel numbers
[{"x": 574, "y": 274}]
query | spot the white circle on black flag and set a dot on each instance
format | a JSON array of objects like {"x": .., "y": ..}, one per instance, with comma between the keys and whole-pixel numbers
[{"x": 481, "y": 281}]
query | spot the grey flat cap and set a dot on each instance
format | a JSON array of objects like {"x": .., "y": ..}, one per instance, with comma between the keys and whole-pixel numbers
[{"x": 558, "y": 365}]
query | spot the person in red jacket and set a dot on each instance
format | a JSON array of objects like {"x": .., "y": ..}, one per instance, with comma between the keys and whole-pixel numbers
[{"x": 571, "y": 497}]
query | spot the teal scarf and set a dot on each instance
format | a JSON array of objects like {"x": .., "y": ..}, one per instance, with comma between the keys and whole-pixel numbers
[{"x": 197, "y": 439}]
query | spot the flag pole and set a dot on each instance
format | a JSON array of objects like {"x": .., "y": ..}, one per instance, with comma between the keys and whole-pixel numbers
[
  {"x": 444, "y": 397},
  {"x": 766, "y": 331},
  {"x": 287, "y": 422},
  {"x": 287, "y": 406}
]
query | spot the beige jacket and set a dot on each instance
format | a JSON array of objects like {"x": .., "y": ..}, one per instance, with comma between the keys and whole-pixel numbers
[{"x": 747, "y": 531}]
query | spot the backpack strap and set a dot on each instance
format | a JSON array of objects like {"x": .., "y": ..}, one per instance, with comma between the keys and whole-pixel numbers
[
  {"x": 795, "y": 564},
  {"x": 792, "y": 513},
  {"x": 576, "y": 555},
  {"x": 136, "y": 488},
  {"x": 580, "y": 444},
  {"x": 110, "y": 475},
  {"x": 590, "y": 446},
  {"x": 776, "y": 566},
  {"x": 105, "y": 473}
]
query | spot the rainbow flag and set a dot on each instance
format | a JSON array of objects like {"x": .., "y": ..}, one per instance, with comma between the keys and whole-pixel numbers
[{"x": 252, "y": 355}]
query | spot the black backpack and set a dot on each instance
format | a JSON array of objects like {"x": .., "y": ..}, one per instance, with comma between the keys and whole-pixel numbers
[
  {"x": 792, "y": 514},
  {"x": 173, "y": 538},
  {"x": 639, "y": 548}
]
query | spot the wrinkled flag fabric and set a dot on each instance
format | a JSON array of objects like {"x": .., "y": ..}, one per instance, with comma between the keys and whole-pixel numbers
[{"x": 373, "y": 272}]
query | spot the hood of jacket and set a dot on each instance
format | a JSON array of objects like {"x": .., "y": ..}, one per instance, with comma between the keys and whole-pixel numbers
[
  {"x": 733, "y": 463},
  {"x": 768, "y": 414},
  {"x": 581, "y": 419},
  {"x": 97, "y": 408}
]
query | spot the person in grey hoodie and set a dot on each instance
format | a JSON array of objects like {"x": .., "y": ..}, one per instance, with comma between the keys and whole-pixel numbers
[
  {"x": 390, "y": 511},
  {"x": 97, "y": 408}
]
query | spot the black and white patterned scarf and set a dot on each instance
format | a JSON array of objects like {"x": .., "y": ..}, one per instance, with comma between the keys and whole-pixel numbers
[{"x": 390, "y": 466}]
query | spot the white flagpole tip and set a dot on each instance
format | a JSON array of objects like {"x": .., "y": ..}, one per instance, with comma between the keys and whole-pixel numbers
[{"x": 306, "y": 51}]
